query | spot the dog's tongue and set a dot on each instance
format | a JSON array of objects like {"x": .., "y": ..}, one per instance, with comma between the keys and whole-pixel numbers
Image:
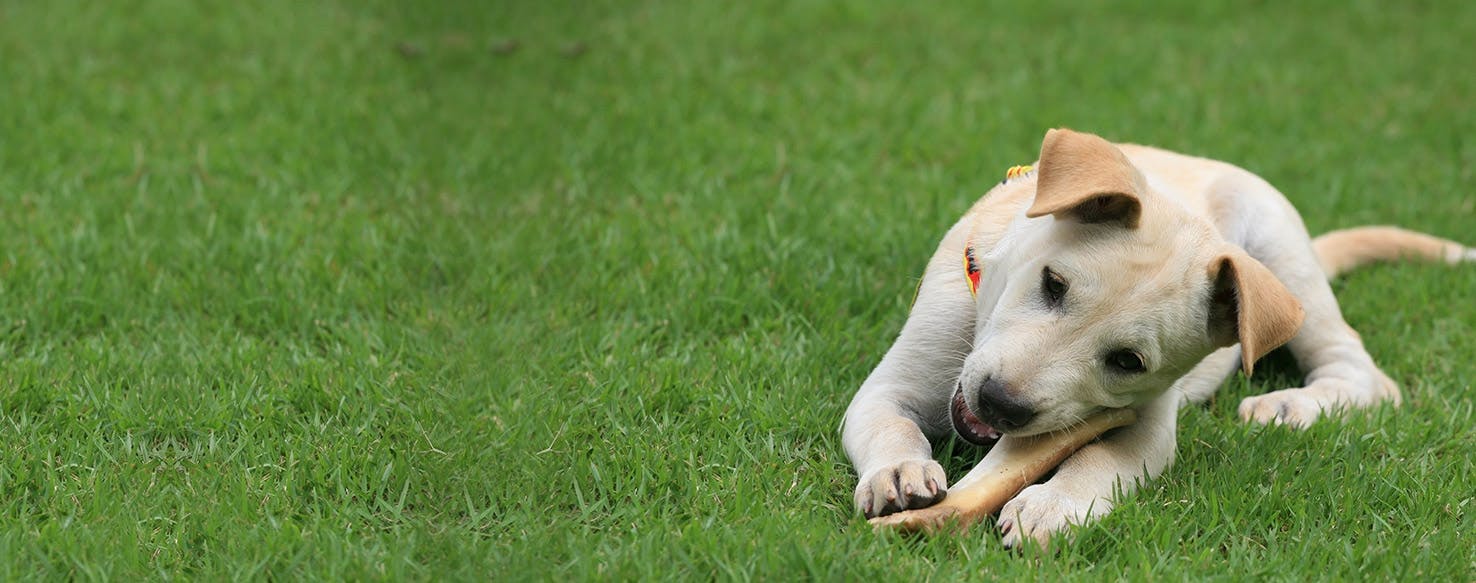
[{"x": 969, "y": 426}]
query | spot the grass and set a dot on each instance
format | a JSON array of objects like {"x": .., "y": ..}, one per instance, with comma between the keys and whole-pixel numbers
[{"x": 364, "y": 290}]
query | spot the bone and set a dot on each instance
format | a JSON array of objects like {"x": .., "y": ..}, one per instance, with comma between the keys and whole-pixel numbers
[{"x": 1013, "y": 464}]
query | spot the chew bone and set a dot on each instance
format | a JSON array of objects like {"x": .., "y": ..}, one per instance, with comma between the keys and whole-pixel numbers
[{"x": 1013, "y": 464}]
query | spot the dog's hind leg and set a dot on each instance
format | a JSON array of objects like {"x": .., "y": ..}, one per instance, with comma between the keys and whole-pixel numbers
[{"x": 1340, "y": 373}]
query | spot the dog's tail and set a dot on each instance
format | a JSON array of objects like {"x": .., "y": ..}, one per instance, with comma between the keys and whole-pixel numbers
[{"x": 1341, "y": 251}]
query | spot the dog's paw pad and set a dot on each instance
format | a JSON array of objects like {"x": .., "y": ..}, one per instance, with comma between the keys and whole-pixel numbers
[{"x": 901, "y": 486}]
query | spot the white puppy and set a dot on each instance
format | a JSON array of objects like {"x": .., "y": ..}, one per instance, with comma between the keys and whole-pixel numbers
[{"x": 1110, "y": 276}]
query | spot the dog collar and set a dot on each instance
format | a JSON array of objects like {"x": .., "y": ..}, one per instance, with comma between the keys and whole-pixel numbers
[
  {"x": 1016, "y": 172},
  {"x": 972, "y": 271}
]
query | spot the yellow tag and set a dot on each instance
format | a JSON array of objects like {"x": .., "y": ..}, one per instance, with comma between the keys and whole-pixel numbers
[{"x": 1016, "y": 171}]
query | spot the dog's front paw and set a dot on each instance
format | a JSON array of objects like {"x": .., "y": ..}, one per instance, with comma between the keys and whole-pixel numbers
[
  {"x": 1290, "y": 407},
  {"x": 1042, "y": 511},
  {"x": 901, "y": 486}
]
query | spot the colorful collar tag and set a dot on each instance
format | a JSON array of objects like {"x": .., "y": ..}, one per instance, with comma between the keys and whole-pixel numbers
[{"x": 971, "y": 270}]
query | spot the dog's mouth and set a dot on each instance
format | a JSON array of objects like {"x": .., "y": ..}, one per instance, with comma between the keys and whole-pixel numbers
[{"x": 968, "y": 425}]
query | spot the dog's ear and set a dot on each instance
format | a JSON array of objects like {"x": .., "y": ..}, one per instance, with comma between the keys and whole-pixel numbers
[
  {"x": 1250, "y": 306},
  {"x": 1085, "y": 177}
]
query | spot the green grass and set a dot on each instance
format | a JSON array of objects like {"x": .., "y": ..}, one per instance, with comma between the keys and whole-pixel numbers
[{"x": 333, "y": 290}]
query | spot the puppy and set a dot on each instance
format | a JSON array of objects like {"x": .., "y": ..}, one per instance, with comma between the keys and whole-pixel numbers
[{"x": 1110, "y": 275}]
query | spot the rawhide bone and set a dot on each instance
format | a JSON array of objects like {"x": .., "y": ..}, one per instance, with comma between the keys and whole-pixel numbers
[{"x": 1013, "y": 464}]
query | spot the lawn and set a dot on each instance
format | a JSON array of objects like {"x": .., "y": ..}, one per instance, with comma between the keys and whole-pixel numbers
[{"x": 580, "y": 290}]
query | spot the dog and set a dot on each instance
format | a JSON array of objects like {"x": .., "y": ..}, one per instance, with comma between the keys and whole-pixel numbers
[{"x": 1103, "y": 276}]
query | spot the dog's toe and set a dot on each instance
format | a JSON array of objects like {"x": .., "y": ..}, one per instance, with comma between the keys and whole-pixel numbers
[
  {"x": 1290, "y": 407},
  {"x": 902, "y": 486},
  {"x": 1043, "y": 512}
]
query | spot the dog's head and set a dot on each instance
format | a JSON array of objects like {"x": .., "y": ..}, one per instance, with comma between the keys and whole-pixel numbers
[{"x": 1103, "y": 295}]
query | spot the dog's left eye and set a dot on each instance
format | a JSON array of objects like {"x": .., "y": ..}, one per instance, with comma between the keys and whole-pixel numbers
[
  {"x": 1125, "y": 361},
  {"x": 1053, "y": 286}
]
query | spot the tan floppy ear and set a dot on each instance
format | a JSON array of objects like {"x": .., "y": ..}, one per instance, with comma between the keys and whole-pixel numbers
[
  {"x": 1249, "y": 305},
  {"x": 1085, "y": 177}
]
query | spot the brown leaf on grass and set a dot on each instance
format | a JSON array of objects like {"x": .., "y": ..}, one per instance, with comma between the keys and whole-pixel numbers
[
  {"x": 575, "y": 49},
  {"x": 506, "y": 46},
  {"x": 409, "y": 50}
]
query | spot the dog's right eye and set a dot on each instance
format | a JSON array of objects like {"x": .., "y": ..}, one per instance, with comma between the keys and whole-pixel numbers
[
  {"x": 1126, "y": 361},
  {"x": 1053, "y": 287}
]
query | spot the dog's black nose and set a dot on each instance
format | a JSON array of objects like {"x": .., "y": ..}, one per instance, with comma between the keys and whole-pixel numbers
[{"x": 999, "y": 408}]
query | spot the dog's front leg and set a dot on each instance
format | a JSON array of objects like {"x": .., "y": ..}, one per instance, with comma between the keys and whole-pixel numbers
[
  {"x": 904, "y": 401},
  {"x": 893, "y": 459},
  {"x": 900, "y": 406},
  {"x": 1083, "y": 486},
  {"x": 1085, "y": 483}
]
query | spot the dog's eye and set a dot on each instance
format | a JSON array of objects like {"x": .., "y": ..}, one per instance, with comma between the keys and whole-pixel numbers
[
  {"x": 1125, "y": 361},
  {"x": 1052, "y": 286}
]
